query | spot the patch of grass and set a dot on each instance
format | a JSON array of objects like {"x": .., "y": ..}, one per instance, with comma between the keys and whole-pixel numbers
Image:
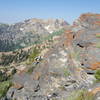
[
  {"x": 98, "y": 35},
  {"x": 62, "y": 88},
  {"x": 97, "y": 75},
  {"x": 4, "y": 86},
  {"x": 98, "y": 45},
  {"x": 3, "y": 77},
  {"x": 30, "y": 70},
  {"x": 66, "y": 73},
  {"x": 75, "y": 55},
  {"x": 34, "y": 54},
  {"x": 81, "y": 95},
  {"x": 13, "y": 71},
  {"x": 61, "y": 31}
]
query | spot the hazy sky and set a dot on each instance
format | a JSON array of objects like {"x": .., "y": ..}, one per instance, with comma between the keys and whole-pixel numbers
[{"x": 12, "y": 11}]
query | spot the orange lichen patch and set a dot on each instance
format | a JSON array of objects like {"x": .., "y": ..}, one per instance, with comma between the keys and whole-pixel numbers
[
  {"x": 83, "y": 17},
  {"x": 96, "y": 22},
  {"x": 95, "y": 66},
  {"x": 68, "y": 31},
  {"x": 79, "y": 69},
  {"x": 18, "y": 86},
  {"x": 96, "y": 90},
  {"x": 69, "y": 38}
]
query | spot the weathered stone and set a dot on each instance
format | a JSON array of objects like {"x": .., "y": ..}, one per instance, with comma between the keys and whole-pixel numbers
[
  {"x": 95, "y": 66},
  {"x": 17, "y": 86}
]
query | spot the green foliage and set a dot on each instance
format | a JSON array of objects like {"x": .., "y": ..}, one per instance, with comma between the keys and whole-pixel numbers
[
  {"x": 4, "y": 86},
  {"x": 98, "y": 45},
  {"x": 48, "y": 37},
  {"x": 66, "y": 73},
  {"x": 30, "y": 70},
  {"x": 17, "y": 57},
  {"x": 2, "y": 25},
  {"x": 6, "y": 59},
  {"x": 98, "y": 35},
  {"x": 97, "y": 75},
  {"x": 34, "y": 54},
  {"x": 3, "y": 77},
  {"x": 81, "y": 95},
  {"x": 54, "y": 34},
  {"x": 13, "y": 71}
]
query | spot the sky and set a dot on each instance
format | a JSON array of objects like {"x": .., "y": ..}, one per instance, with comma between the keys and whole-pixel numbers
[{"x": 12, "y": 11}]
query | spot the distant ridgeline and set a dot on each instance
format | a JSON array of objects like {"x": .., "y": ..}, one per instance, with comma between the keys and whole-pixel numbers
[
  {"x": 29, "y": 39},
  {"x": 29, "y": 32}
]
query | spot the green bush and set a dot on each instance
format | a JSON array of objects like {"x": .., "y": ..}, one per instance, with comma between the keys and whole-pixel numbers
[
  {"x": 66, "y": 73},
  {"x": 34, "y": 54},
  {"x": 13, "y": 71},
  {"x": 30, "y": 70},
  {"x": 97, "y": 75},
  {"x": 98, "y": 35},
  {"x": 4, "y": 86},
  {"x": 3, "y": 77},
  {"x": 81, "y": 95},
  {"x": 98, "y": 45}
]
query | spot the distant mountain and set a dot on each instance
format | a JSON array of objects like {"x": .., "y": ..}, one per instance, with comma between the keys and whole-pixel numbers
[{"x": 25, "y": 33}]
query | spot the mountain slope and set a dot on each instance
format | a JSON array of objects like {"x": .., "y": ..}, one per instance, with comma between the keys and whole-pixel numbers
[
  {"x": 62, "y": 67},
  {"x": 25, "y": 33}
]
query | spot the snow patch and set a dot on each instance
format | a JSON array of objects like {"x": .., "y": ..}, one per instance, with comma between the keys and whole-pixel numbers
[
  {"x": 63, "y": 53},
  {"x": 21, "y": 29},
  {"x": 63, "y": 60},
  {"x": 47, "y": 27}
]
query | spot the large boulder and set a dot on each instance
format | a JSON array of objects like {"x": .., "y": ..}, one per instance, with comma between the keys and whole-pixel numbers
[{"x": 87, "y": 41}]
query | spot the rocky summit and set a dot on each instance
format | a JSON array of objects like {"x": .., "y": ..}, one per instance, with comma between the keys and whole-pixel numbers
[{"x": 50, "y": 59}]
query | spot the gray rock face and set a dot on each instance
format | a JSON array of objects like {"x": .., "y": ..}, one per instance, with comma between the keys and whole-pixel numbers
[
  {"x": 88, "y": 21},
  {"x": 87, "y": 40},
  {"x": 54, "y": 82},
  {"x": 97, "y": 97}
]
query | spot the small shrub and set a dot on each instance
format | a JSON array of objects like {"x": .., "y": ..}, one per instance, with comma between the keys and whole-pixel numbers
[
  {"x": 98, "y": 45},
  {"x": 30, "y": 70},
  {"x": 97, "y": 75},
  {"x": 4, "y": 86},
  {"x": 66, "y": 73},
  {"x": 3, "y": 77},
  {"x": 34, "y": 54},
  {"x": 81, "y": 95},
  {"x": 13, "y": 71},
  {"x": 98, "y": 35},
  {"x": 6, "y": 59}
]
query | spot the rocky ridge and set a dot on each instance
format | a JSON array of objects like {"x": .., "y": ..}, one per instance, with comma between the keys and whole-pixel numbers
[{"x": 65, "y": 68}]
